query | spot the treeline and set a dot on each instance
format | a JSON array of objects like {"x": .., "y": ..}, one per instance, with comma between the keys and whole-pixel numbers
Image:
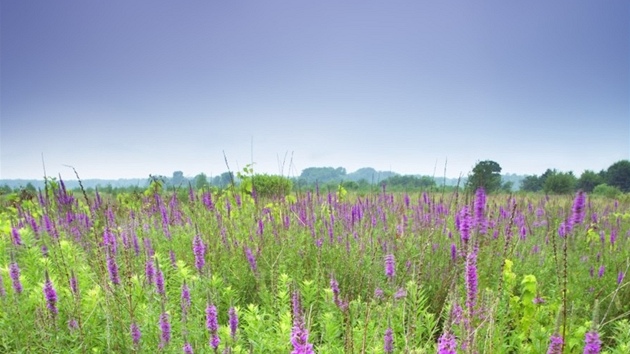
[{"x": 610, "y": 182}]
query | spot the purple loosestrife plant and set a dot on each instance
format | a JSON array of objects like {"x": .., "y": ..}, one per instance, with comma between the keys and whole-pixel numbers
[
  {"x": 390, "y": 266},
  {"x": 159, "y": 283},
  {"x": 185, "y": 299},
  {"x": 199, "y": 250},
  {"x": 112, "y": 268},
  {"x": 187, "y": 348},
  {"x": 149, "y": 271},
  {"x": 251, "y": 260},
  {"x": 135, "y": 333},
  {"x": 592, "y": 343},
  {"x": 480, "y": 210},
  {"x": 447, "y": 343},
  {"x": 15, "y": 235},
  {"x": 165, "y": 328},
  {"x": 233, "y": 322},
  {"x": 388, "y": 345},
  {"x": 464, "y": 224},
  {"x": 555, "y": 344},
  {"x": 51, "y": 296},
  {"x": 14, "y": 273},
  {"x": 212, "y": 324},
  {"x": 578, "y": 212},
  {"x": 299, "y": 339}
]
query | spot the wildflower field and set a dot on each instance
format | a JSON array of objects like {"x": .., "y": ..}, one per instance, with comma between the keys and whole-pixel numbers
[{"x": 212, "y": 271}]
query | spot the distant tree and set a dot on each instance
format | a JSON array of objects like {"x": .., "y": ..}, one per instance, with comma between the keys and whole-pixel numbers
[
  {"x": 531, "y": 184},
  {"x": 507, "y": 186},
  {"x": 486, "y": 174},
  {"x": 618, "y": 175},
  {"x": 201, "y": 181},
  {"x": 410, "y": 182},
  {"x": 323, "y": 175},
  {"x": 589, "y": 180},
  {"x": 560, "y": 183},
  {"x": 178, "y": 178}
]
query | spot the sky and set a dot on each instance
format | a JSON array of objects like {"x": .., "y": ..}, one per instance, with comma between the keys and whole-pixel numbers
[{"x": 125, "y": 89}]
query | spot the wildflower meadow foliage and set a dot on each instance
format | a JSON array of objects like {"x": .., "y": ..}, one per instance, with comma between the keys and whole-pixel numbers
[{"x": 231, "y": 271}]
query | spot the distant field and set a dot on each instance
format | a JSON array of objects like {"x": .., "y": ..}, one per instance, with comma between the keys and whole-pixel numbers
[{"x": 324, "y": 272}]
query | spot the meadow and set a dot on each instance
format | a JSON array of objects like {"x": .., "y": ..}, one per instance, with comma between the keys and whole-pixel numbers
[{"x": 227, "y": 271}]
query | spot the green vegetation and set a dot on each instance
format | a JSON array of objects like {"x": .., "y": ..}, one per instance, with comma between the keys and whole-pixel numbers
[{"x": 276, "y": 270}]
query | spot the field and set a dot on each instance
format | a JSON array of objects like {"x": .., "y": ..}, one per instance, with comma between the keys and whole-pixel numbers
[{"x": 321, "y": 271}]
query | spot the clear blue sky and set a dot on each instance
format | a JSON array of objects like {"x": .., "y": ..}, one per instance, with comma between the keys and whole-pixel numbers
[{"x": 123, "y": 89}]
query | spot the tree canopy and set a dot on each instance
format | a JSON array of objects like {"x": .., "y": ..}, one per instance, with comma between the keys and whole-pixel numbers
[{"x": 487, "y": 175}]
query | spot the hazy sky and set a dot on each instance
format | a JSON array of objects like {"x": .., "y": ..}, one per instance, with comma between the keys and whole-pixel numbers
[{"x": 132, "y": 88}]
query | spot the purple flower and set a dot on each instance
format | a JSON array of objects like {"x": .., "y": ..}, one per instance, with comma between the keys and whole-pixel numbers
[
  {"x": 620, "y": 277},
  {"x": 464, "y": 223},
  {"x": 251, "y": 259},
  {"x": 471, "y": 280},
  {"x": 135, "y": 333},
  {"x": 592, "y": 343},
  {"x": 388, "y": 345},
  {"x": 159, "y": 282},
  {"x": 165, "y": 328},
  {"x": 185, "y": 298},
  {"x": 233, "y": 321},
  {"x": 213, "y": 325},
  {"x": 390, "y": 266},
  {"x": 211, "y": 318},
  {"x": 199, "y": 250},
  {"x": 577, "y": 216},
  {"x": 401, "y": 293},
  {"x": 14, "y": 273},
  {"x": 17, "y": 240},
  {"x": 299, "y": 340},
  {"x": 149, "y": 271},
  {"x": 51, "y": 296},
  {"x": 555, "y": 344},
  {"x": 480, "y": 210},
  {"x": 112, "y": 268},
  {"x": 187, "y": 348},
  {"x": 73, "y": 324},
  {"x": 453, "y": 251},
  {"x": 378, "y": 293},
  {"x": 602, "y": 269},
  {"x": 447, "y": 343}
]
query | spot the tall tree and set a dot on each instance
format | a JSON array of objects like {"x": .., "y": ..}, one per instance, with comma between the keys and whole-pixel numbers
[
  {"x": 486, "y": 174},
  {"x": 589, "y": 180},
  {"x": 618, "y": 175}
]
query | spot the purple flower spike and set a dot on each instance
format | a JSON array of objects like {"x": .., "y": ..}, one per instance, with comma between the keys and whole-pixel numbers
[
  {"x": 592, "y": 343},
  {"x": 112, "y": 268},
  {"x": 199, "y": 250},
  {"x": 577, "y": 216},
  {"x": 165, "y": 328},
  {"x": 388, "y": 345},
  {"x": 14, "y": 273},
  {"x": 555, "y": 344},
  {"x": 447, "y": 344},
  {"x": 51, "y": 296},
  {"x": 135, "y": 333},
  {"x": 212, "y": 324},
  {"x": 390, "y": 269},
  {"x": 185, "y": 298},
  {"x": 187, "y": 349},
  {"x": 299, "y": 340},
  {"x": 233, "y": 320},
  {"x": 15, "y": 234}
]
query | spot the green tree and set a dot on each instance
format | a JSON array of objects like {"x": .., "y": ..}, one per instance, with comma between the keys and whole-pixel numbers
[
  {"x": 486, "y": 174},
  {"x": 618, "y": 175},
  {"x": 531, "y": 184},
  {"x": 589, "y": 180},
  {"x": 201, "y": 181},
  {"x": 178, "y": 178},
  {"x": 560, "y": 183}
]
